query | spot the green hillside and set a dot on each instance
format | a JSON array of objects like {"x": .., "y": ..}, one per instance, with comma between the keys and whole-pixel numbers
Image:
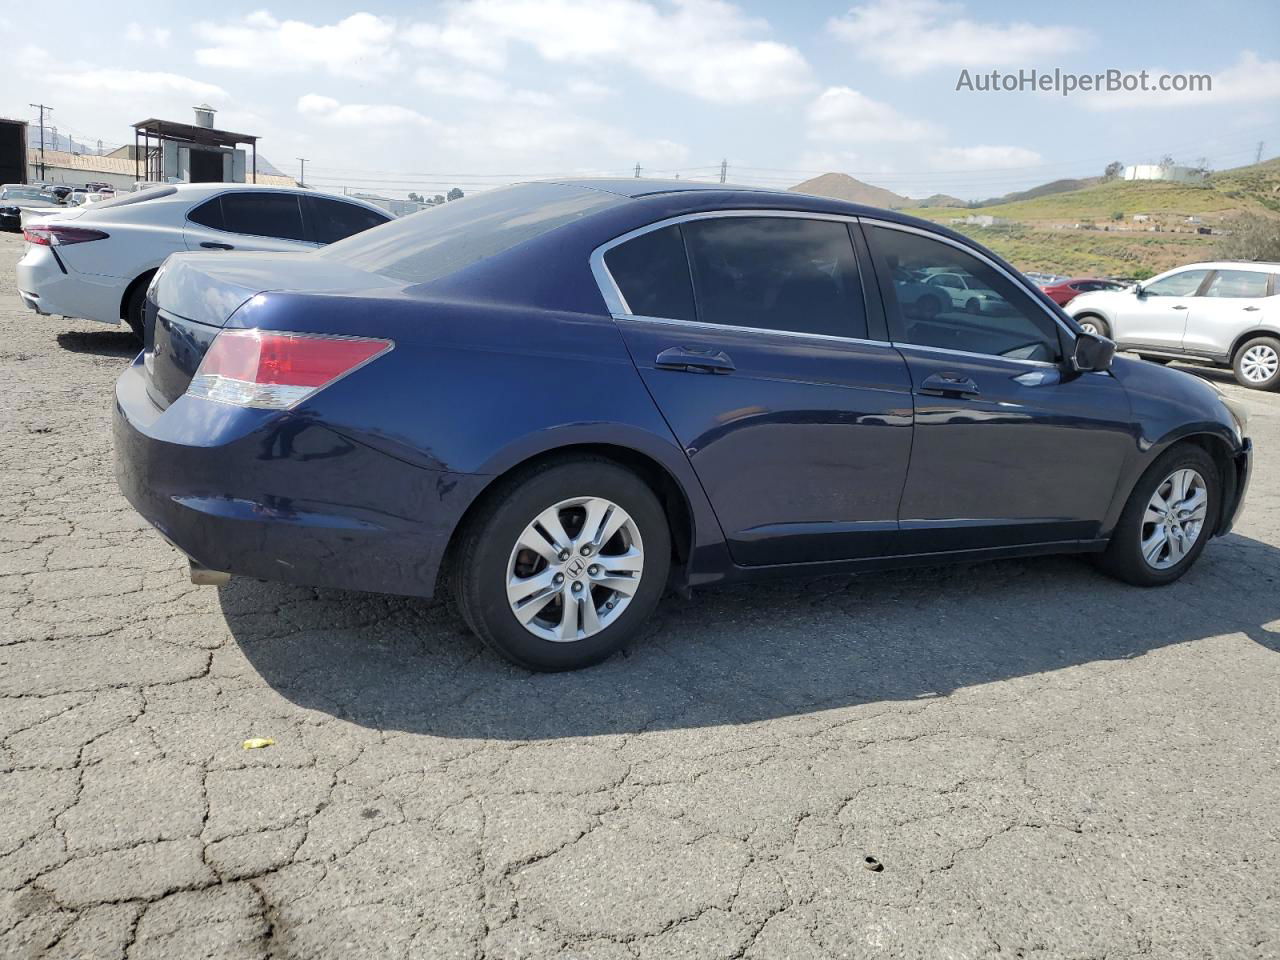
[{"x": 1092, "y": 230}]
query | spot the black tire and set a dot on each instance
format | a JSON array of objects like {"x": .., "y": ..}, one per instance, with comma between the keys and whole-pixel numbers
[
  {"x": 134, "y": 307},
  {"x": 1270, "y": 346},
  {"x": 1101, "y": 326},
  {"x": 973, "y": 305},
  {"x": 1123, "y": 557},
  {"x": 486, "y": 545}
]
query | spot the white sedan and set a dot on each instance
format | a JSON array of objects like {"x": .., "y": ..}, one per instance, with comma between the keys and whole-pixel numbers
[{"x": 96, "y": 261}]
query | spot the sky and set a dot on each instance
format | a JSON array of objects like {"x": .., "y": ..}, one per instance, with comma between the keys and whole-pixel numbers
[{"x": 390, "y": 96}]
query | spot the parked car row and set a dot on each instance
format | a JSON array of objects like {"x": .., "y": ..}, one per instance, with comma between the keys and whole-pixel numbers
[
  {"x": 94, "y": 262},
  {"x": 558, "y": 399}
]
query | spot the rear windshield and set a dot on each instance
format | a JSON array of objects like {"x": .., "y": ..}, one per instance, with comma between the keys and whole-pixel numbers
[
  {"x": 123, "y": 199},
  {"x": 437, "y": 242}
]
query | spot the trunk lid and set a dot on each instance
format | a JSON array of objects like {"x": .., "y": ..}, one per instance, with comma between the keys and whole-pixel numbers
[{"x": 195, "y": 295}]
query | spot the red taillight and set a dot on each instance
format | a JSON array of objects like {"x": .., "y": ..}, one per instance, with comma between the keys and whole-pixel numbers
[
  {"x": 276, "y": 371},
  {"x": 61, "y": 236}
]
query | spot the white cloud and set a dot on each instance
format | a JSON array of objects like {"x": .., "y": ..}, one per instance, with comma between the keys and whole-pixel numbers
[
  {"x": 911, "y": 36},
  {"x": 136, "y": 83},
  {"x": 474, "y": 85},
  {"x": 841, "y": 114},
  {"x": 1249, "y": 80},
  {"x": 151, "y": 36},
  {"x": 360, "y": 46},
  {"x": 589, "y": 90},
  {"x": 707, "y": 48},
  {"x": 331, "y": 111},
  {"x": 985, "y": 158}
]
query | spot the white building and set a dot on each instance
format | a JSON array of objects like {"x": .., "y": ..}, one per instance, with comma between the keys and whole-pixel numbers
[{"x": 1158, "y": 171}]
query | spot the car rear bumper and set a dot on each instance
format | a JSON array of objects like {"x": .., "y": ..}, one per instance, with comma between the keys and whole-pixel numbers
[
  {"x": 46, "y": 286},
  {"x": 280, "y": 497}
]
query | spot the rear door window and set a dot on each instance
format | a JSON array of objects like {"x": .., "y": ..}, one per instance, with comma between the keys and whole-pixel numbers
[
  {"x": 334, "y": 220},
  {"x": 208, "y": 214},
  {"x": 652, "y": 272},
  {"x": 1237, "y": 284},
  {"x": 777, "y": 273},
  {"x": 263, "y": 215}
]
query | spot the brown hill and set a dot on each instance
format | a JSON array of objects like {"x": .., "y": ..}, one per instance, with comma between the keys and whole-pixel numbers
[
  {"x": 841, "y": 186},
  {"x": 942, "y": 200}
]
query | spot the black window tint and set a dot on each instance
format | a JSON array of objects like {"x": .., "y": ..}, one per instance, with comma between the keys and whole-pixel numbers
[
  {"x": 652, "y": 272},
  {"x": 263, "y": 215},
  {"x": 208, "y": 214},
  {"x": 777, "y": 273},
  {"x": 987, "y": 314},
  {"x": 446, "y": 238},
  {"x": 333, "y": 220}
]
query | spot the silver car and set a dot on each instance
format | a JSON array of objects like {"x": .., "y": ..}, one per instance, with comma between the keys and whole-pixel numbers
[{"x": 1225, "y": 313}]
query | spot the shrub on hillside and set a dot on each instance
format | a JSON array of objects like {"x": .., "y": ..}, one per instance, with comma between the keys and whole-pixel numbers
[{"x": 1249, "y": 236}]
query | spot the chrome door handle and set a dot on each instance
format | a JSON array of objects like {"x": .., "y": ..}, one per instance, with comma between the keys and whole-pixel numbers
[
  {"x": 691, "y": 358},
  {"x": 1178, "y": 306},
  {"x": 949, "y": 384},
  {"x": 1251, "y": 309}
]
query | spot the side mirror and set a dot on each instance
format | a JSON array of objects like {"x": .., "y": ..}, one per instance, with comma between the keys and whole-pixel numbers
[
  {"x": 1138, "y": 291},
  {"x": 1092, "y": 353}
]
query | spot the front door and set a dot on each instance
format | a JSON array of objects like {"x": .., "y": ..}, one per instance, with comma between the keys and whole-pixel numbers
[
  {"x": 751, "y": 334},
  {"x": 1158, "y": 316},
  {"x": 1010, "y": 449}
]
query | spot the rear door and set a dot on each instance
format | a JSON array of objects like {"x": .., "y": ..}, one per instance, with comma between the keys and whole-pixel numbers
[
  {"x": 751, "y": 333},
  {"x": 1232, "y": 302},
  {"x": 248, "y": 220}
]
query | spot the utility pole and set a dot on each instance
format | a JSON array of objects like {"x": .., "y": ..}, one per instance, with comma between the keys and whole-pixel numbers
[
  {"x": 302, "y": 172},
  {"x": 724, "y": 169},
  {"x": 42, "y": 108},
  {"x": 637, "y": 170},
  {"x": 1257, "y": 158}
]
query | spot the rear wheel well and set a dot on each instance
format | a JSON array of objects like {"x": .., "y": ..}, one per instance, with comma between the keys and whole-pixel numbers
[
  {"x": 1250, "y": 334},
  {"x": 664, "y": 486},
  {"x": 140, "y": 281}
]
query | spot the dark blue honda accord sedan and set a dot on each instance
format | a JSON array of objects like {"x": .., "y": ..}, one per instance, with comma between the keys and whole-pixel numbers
[{"x": 558, "y": 399}]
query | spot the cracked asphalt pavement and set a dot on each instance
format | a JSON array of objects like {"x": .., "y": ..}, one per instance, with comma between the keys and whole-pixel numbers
[{"x": 1049, "y": 764}]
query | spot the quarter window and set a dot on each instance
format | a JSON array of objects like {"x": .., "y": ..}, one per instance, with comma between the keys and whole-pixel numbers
[
  {"x": 652, "y": 272},
  {"x": 263, "y": 215},
  {"x": 1184, "y": 284},
  {"x": 985, "y": 312},
  {"x": 334, "y": 220},
  {"x": 1237, "y": 284},
  {"x": 776, "y": 273}
]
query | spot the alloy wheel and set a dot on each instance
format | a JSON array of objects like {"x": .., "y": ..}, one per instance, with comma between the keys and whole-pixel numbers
[
  {"x": 574, "y": 569},
  {"x": 1259, "y": 363},
  {"x": 1089, "y": 327},
  {"x": 1174, "y": 518}
]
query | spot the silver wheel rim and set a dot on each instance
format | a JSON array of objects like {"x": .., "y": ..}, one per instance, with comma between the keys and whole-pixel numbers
[
  {"x": 1259, "y": 363},
  {"x": 574, "y": 569},
  {"x": 1174, "y": 518},
  {"x": 1088, "y": 327}
]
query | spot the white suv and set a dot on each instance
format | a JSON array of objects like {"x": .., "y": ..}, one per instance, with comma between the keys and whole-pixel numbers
[
  {"x": 95, "y": 261},
  {"x": 1225, "y": 313}
]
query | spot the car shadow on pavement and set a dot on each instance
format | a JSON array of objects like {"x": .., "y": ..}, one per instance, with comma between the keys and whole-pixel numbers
[
  {"x": 745, "y": 653},
  {"x": 103, "y": 343}
]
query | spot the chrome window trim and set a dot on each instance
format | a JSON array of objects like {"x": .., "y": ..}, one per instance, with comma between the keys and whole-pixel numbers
[
  {"x": 612, "y": 293},
  {"x": 709, "y": 327},
  {"x": 620, "y": 310},
  {"x": 964, "y": 248}
]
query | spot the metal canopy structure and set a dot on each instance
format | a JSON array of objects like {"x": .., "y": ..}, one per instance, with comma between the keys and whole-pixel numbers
[{"x": 160, "y": 130}]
